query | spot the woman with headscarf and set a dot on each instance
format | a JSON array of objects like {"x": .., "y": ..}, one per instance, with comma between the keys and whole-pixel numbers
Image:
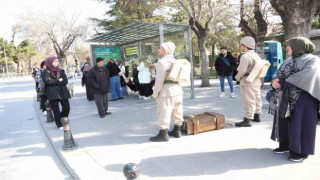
[
  {"x": 168, "y": 95},
  {"x": 56, "y": 90},
  {"x": 144, "y": 77},
  {"x": 84, "y": 80},
  {"x": 295, "y": 104}
]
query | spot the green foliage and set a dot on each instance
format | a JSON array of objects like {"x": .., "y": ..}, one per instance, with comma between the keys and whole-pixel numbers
[
  {"x": 316, "y": 24},
  {"x": 9, "y": 51},
  {"x": 124, "y": 12},
  {"x": 26, "y": 49}
]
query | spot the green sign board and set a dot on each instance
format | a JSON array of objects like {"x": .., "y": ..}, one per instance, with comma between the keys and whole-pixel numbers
[
  {"x": 131, "y": 51},
  {"x": 106, "y": 52}
]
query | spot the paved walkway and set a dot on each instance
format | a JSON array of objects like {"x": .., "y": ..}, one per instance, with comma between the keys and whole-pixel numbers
[{"x": 106, "y": 145}]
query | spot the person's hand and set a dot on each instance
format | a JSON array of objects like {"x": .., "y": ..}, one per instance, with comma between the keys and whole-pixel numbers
[
  {"x": 60, "y": 79},
  {"x": 82, "y": 85},
  {"x": 154, "y": 97},
  {"x": 275, "y": 83}
]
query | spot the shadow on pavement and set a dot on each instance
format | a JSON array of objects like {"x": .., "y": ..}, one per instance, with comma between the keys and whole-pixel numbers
[{"x": 207, "y": 163}]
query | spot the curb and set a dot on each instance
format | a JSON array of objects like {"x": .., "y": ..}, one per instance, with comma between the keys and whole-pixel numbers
[{"x": 56, "y": 150}]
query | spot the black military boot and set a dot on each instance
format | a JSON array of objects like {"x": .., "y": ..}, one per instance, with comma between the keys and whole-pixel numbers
[
  {"x": 244, "y": 123},
  {"x": 256, "y": 118},
  {"x": 176, "y": 131},
  {"x": 161, "y": 137}
]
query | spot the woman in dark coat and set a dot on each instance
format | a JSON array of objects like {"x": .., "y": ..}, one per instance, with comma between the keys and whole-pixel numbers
[
  {"x": 56, "y": 90},
  {"x": 295, "y": 104},
  {"x": 84, "y": 80}
]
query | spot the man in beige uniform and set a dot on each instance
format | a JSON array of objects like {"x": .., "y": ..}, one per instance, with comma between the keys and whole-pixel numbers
[
  {"x": 168, "y": 95},
  {"x": 250, "y": 92}
]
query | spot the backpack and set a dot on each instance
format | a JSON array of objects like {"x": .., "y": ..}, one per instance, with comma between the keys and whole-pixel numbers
[
  {"x": 260, "y": 68},
  {"x": 180, "y": 71}
]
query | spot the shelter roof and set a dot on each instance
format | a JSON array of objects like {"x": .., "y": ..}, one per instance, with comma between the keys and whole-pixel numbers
[{"x": 137, "y": 31}]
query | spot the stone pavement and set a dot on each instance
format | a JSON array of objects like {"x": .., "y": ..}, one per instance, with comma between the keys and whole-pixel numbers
[{"x": 106, "y": 145}]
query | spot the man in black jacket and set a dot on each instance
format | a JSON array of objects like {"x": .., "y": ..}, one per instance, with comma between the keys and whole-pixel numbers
[
  {"x": 224, "y": 66},
  {"x": 99, "y": 80}
]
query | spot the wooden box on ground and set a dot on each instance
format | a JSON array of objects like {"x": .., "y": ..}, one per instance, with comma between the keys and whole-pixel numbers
[{"x": 207, "y": 121}]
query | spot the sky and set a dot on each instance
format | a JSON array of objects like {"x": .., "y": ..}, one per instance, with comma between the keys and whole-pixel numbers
[{"x": 11, "y": 9}]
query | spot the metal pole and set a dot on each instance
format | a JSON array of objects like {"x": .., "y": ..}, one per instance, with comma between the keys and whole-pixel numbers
[
  {"x": 5, "y": 57},
  {"x": 161, "y": 33},
  {"x": 191, "y": 62}
]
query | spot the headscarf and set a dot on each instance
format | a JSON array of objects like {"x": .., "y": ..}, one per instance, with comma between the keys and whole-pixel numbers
[
  {"x": 300, "y": 46},
  {"x": 55, "y": 71},
  {"x": 86, "y": 67}
]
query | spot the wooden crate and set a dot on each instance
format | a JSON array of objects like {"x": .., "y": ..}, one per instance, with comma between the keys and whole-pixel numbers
[{"x": 207, "y": 121}]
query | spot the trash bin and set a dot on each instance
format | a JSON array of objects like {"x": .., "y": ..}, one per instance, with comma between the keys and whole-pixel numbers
[{"x": 273, "y": 53}]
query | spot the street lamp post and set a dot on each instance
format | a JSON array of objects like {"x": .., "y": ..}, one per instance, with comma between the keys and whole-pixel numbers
[{"x": 5, "y": 57}]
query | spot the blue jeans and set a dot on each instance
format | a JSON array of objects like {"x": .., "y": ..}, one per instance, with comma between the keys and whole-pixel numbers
[
  {"x": 115, "y": 87},
  {"x": 125, "y": 91},
  {"x": 229, "y": 78}
]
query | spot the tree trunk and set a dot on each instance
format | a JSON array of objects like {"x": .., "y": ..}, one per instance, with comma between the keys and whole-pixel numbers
[
  {"x": 204, "y": 62},
  {"x": 262, "y": 28},
  {"x": 77, "y": 65},
  {"x": 296, "y": 16},
  {"x": 62, "y": 60},
  {"x": 29, "y": 64},
  {"x": 213, "y": 53}
]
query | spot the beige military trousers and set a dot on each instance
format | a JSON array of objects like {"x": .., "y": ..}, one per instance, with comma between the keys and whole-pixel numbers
[
  {"x": 169, "y": 108},
  {"x": 251, "y": 100}
]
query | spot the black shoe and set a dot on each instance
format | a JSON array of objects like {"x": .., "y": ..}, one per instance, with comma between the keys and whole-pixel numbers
[
  {"x": 256, "y": 118},
  {"x": 113, "y": 99},
  {"x": 280, "y": 150},
  {"x": 295, "y": 157},
  {"x": 121, "y": 98},
  {"x": 244, "y": 123},
  {"x": 161, "y": 137},
  {"x": 102, "y": 116},
  {"x": 176, "y": 131},
  {"x": 108, "y": 113}
]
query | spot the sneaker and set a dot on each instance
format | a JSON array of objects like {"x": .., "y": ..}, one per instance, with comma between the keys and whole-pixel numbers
[
  {"x": 233, "y": 95},
  {"x": 146, "y": 98},
  {"x": 297, "y": 157},
  {"x": 141, "y": 97},
  {"x": 222, "y": 95},
  {"x": 44, "y": 113},
  {"x": 61, "y": 128},
  {"x": 280, "y": 150},
  {"x": 102, "y": 116}
]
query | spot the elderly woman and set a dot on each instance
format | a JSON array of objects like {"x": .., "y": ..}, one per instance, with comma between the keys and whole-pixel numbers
[
  {"x": 86, "y": 69},
  {"x": 296, "y": 101}
]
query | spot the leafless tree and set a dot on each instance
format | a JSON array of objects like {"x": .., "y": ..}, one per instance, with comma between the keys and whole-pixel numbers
[{"x": 55, "y": 31}]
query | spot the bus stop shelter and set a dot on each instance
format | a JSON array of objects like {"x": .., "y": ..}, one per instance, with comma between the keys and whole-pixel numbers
[{"x": 144, "y": 38}]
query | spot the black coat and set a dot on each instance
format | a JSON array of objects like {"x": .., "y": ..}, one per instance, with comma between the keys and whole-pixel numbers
[
  {"x": 56, "y": 89},
  {"x": 99, "y": 80},
  {"x": 84, "y": 79},
  {"x": 222, "y": 68}
]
